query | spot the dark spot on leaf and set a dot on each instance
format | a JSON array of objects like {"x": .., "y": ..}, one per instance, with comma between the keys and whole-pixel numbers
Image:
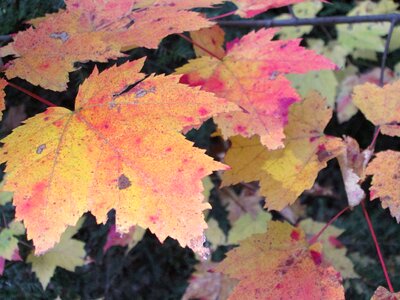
[
  {"x": 63, "y": 36},
  {"x": 123, "y": 182},
  {"x": 40, "y": 149}
]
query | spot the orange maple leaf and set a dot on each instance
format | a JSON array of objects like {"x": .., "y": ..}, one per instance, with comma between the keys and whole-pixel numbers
[
  {"x": 380, "y": 105},
  {"x": 386, "y": 180},
  {"x": 97, "y": 31},
  {"x": 251, "y": 75},
  {"x": 118, "y": 149},
  {"x": 280, "y": 264}
]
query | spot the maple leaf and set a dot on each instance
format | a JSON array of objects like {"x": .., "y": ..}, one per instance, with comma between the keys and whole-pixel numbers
[
  {"x": 97, "y": 31},
  {"x": 211, "y": 38},
  {"x": 9, "y": 243},
  {"x": 248, "y": 201},
  {"x": 251, "y": 8},
  {"x": 382, "y": 293},
  {"x": 119, "y": 149},
  {"x": 386, "y": 180},
  {"x": 67, "y": 254},
  {"x": 251, "y": 75},
  {"x": 3, "y": 84},
  {"x": 247, "y": 225},
  {"x": 306, "y": 9},
  {"x": 214, "y": 234},
  {"x": 207, "y": 284},
  {"x": 380, "y": 105},
  {"x": 345, "y": 107},
  {"x": 285, "y": 173},
  {"x": 333, "y": 250},
  {"x": 281, "y": 265}
]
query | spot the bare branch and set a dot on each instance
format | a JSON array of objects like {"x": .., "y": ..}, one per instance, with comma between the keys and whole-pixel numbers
[{"x": 313, "y": 21}]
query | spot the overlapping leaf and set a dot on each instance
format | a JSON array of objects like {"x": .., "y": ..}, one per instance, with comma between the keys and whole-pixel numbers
[
  {"x": 386, "y": 180},
  {"x": 352, "y": 166},
  {"x": 68, "y": 254},
  {"x": 97, "y": 31},
  {"x": 9, "y": 243},
  {"x": 380, "y": 105},
  {"x": 345, "y": 107},
  {"x": 251, "y": 75},
  {"x": 333, "y": 250},
  {"x": 285, "y": 173},
  {"x": 382, "y": 293},
  {"x": 281, "y": 265},
  {"x": 119, "y": 149}
]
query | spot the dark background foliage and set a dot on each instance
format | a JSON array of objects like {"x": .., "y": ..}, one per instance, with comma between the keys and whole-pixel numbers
[{"x": 152, "y": 270}]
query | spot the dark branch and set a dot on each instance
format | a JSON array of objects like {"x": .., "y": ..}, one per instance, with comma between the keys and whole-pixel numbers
[
  {"x": 385, "y": 52},
  {"x": 313, "y": 21}
]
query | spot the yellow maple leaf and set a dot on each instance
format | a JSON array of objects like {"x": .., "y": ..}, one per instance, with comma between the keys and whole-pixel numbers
[
  {"x": 380, "y": 105},
  {"x": 67, "y": 254},
  {"x": 211, "y": 38},
  {"x": 285, "y": 173},
  {"x": 281, "y": 265},
  {"x": 386, "y": 180},
  {"x": 118, "y": 149}
]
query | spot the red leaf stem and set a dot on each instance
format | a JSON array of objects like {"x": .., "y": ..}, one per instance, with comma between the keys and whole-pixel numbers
[
  {"x": 223, "y": 15},
  {"x": 315, "y": 238},
  {"x": 378, "y": 249},
  {"x": 37, "y": 97},
  {"x": 198, "y": 45}
]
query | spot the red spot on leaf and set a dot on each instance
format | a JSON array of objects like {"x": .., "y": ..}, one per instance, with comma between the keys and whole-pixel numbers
[
  {"x": 189, "y": 119},
  {"x": 169, "y": 149},
  {"x": 203, "y": 111},
  {"x": 44, "y": 66},
  {"x": 240, "y": 129},
  {"x": 153, "y": 219},
  {"x": 278, "y": 286},
  {"x": 295, "y": 235},
  {"x": 59, "y": 123},
  {"x": 316, "y": 256}
]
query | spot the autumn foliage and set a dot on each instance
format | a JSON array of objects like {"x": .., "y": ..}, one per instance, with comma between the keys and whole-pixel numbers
[{"x": 122, "y": 147}]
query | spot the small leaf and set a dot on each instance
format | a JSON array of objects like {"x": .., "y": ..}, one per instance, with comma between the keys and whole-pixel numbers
[
  {"x": 67, "y": 254},
  {"x": 381, "y": 106},
  {"x": 386, "y": 180},
  {"x": 382, "y": 293}
]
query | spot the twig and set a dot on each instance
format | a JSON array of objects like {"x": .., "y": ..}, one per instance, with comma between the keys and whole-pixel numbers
[
  {"x": 315, "y": 238},
  {"x": 199, "y": 46},
  {"x": 223, "y": 15},
  {"x": 378, "y": 250},
  {"x": 5, "y": 38},
  {"x": 313, "y": 21},
  {"x": 33, "y": 95},
  {"x": 385, "y": 52}
]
